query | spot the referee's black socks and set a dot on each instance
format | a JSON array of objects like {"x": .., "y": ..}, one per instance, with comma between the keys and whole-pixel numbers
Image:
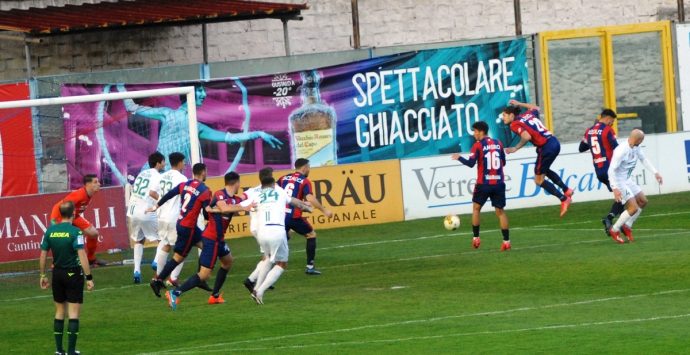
[
  {"x": 58, "y": 329},
  {"x": 72, "y": 333}
]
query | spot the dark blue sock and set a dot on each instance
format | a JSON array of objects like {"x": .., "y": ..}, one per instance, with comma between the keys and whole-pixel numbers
[
  {"x": 168, "y": 269},
  {"x": 220, "y": 280},
  {"x": 506, "y": 234},
  {"x": 188, "y": 285},
  {"x": 556, "y": 180},
  {"x": 616, "y": 209},
  {"x": 475, "y": 230},
  {"x": 311, "y": 250},
  {"x": 552, "y": 190}
]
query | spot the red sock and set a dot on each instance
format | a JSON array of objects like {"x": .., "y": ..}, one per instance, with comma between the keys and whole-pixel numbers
[{"x": 91, "y": 245}]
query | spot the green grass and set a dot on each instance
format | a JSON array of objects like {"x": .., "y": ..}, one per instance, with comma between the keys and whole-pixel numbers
[{"x": 410, "y": 287}]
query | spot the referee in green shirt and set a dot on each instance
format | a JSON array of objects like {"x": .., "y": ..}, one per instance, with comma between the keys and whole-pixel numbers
[{"x": 71, "y": 267}]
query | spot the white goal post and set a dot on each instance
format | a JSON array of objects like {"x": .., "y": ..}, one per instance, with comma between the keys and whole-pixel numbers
[{"x": 189, "y": 91}]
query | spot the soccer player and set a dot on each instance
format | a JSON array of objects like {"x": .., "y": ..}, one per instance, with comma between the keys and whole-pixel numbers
[
  {"x": 144, "y": 225},
  {"x": 625, "y": 189},
  {"x": 299, "y": 186},
  {"x": 600, "y": 140},
  {"x": 173, "y": 135},
  {"x": 271, "y": 232},
  {"x": 488, "y": 154},
  {"x": 70, "y": 268},
  {"x": 530, "y": 129},
  {"x": 81, "y": 199},
  {"x": 249, "y": 194},
  {"x": 167, "y": 215},
  {"x": 213, "y": 239},
  {"x": 195, "y": 197}
]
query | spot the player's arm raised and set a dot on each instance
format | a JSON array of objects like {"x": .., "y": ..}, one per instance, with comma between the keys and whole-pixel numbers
[{"x": 524, "y": 104}]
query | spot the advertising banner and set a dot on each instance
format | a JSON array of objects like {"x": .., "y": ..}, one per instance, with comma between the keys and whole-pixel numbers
[
  {"x": 437, "y": 186},
  {"x": 357, "y": 194},
  {"x": 17, "y": 156},
  {"x": 404, "y": 105},
  {"x": 25, "y": 219}
]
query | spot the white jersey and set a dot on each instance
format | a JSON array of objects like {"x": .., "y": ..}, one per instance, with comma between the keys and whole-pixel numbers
[
  {"x": 270, "y": 209},
  {"x": 169, "y": 211},
  {"x": 623, "y": 163},
  {"x": 251, "y": 194},
  {"x": 139, "y": 199}
]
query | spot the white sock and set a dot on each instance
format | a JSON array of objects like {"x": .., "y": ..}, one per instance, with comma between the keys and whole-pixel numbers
[
  {"x": 175, "y": 274},
  {"x": 161, "y": 258},
  {"x": 138, "y": 254},
  {"x": 633, "y": 218},
  {"x": 624, "y": 217},
  {"x": 264, "y": 268},
  {"x": 271, "y": 278},
  {"x": 255, "y": 274}
]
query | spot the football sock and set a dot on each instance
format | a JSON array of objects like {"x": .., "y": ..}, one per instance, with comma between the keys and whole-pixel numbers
[
  {"x": 91, "y": 246},
  {"x": 263, "y": 271},
  {"x": 633, "y": 218},
  {"x": 72, "y": 333},
  {"x": 556, "y": 180},
  {"x": 506, "y": 234},
  {"x": 169, "y": 266},
  {"x": 271, "y": 278},
  {"x": 175, "y": 274},
  {"x": 616, "y": 209},
  {"x": 138, "y": 254},
  {"x": 255, "y": 274},
  {"x": 58, "y": 329},
  {"x": 311, "y": 251},
  {"x": 546, "y": 185},
  {"x": 161, "y": 258},
  {"x": 191, "y": 282},
  {"x": 475, "y": 230},
  {"x": 624, "y": 217},
  {"x": 220, "y": 279}
]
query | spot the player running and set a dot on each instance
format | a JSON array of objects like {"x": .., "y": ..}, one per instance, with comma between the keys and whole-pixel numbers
[
  {"x": 530, "y": 129},
  {"x": 167, "y": 215},
  {"x": 194, "y": 197},
  {"x": 144, "y": 225},
  {"x": 213, "y": 239},
  {"x": 81, "y": 199},
  {"x": 625, "y": 189},
  {"x": 488, "y": 154},
  {"x": 600, "y": 140},
  {"x": 271, "y": 233},
  {"x": 299, "y": 186}
]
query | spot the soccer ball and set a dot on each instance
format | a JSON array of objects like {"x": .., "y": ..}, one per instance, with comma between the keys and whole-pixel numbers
[{"x": 451, "y": 222}]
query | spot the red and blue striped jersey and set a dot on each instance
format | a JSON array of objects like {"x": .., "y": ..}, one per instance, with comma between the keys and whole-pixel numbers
[
  {"x": 298, "y": 186},
  {"x": 218, "y": 222},
  {"x": 490, "y": 158},
  {"x": 601, "y": 141},
  {"x": 529, "y": 122},
  {"x": 194, "y": 197}
]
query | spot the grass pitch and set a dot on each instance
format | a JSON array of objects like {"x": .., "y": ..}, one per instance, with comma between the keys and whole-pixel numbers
[{"x": 409, "y": 287}]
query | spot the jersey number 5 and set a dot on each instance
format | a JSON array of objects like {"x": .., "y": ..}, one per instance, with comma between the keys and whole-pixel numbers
[{"x": 596, "y": 148}]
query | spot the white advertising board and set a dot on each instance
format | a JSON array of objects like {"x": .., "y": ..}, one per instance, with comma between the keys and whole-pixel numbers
[
  {"x": 683, "y": 52},
  {"x": 437, "y": 186}
]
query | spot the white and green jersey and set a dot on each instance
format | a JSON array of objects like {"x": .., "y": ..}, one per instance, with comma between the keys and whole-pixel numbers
[
  {"x": 271, "y": 206},
  {"x": 139, "y": 199},
  {"x": 171, "y": 209}
]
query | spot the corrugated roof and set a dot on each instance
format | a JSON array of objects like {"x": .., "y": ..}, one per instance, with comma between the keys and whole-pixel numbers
[{"x": 134, "y": 13}]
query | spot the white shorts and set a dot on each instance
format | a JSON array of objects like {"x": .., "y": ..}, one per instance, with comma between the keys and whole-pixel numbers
[
  {"x": 629, "y": 190},
  {"x": 167, "y": 232},
  {"x": 140, "y": 228},
  {"x": 273, "y": 241}
]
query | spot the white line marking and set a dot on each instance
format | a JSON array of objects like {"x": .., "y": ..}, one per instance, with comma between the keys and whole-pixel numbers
[
  {"x": 417, "y": 321},
  {"x": 440, "y": 336}
]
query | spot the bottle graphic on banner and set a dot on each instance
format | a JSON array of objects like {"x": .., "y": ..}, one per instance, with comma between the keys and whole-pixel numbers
[{"x": 312, "y": 126}]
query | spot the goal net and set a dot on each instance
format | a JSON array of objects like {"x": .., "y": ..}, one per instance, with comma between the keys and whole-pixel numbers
[{"x": 103, "y": 135}]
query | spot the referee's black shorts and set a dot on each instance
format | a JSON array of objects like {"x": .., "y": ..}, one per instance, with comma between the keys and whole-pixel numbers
[{"x": 68, "y": 285}]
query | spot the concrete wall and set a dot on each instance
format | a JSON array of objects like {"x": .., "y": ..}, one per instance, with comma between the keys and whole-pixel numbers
[{"x": 327, "y": 26}]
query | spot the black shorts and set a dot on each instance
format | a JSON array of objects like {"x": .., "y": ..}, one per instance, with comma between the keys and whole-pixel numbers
[
  {"x": 68, "y": 285},
  {"x": 497, "y": 194},
  {"x": 604, "y": 179},
  {"x": 299, "y": 225}
]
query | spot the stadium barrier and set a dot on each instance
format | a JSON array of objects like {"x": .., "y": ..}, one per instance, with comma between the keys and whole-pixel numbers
[
  {"x": 357, "y": 194},
  {"x": 25, "y": 219},
  {"x": 436, "y": 186}
]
